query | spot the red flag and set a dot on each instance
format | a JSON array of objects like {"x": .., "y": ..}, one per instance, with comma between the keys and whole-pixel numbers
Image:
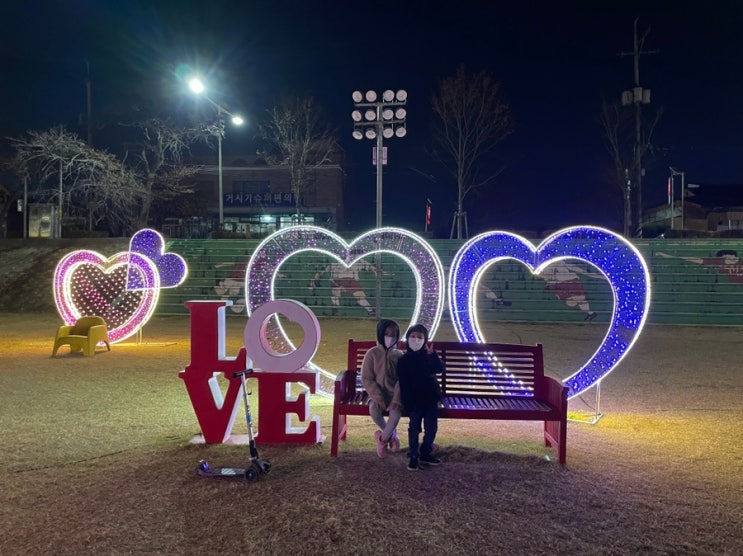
[{"x": 670, "y": 199}]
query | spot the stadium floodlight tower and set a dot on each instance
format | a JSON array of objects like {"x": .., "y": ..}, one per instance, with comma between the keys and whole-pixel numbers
[{"x": 379, "y": 118}]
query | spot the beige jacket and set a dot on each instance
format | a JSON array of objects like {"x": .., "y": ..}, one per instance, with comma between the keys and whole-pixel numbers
[{"x": 379, "y": 374}]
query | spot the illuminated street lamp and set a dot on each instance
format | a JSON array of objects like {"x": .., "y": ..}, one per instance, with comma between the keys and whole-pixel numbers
[
  {"x": 380, "y": 119},
  {"x": 197, "y": 86}
]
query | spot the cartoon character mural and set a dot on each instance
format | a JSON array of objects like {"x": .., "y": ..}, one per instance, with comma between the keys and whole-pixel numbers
[
  {"x": 345, "y": 279},
  {"x": 563, "y": 280},
  {"x": 725, "y": 261},
  {"x": 230, "y": 288}
]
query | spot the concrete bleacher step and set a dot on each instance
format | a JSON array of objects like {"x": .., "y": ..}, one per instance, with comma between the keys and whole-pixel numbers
[{"x": 682, "y": 291}]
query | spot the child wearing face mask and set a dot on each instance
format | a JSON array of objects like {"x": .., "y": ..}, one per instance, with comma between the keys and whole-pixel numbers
[
  {"x": 420, "y": 394},
  {"x": 379, "y": 377}
]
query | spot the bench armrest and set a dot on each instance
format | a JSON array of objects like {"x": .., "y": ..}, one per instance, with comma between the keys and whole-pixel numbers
[{"x": 555, "y": 392}]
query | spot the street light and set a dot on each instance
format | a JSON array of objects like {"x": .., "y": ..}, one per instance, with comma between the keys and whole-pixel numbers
[
  {"x": 379, "y": 119},
  {"x": 197, "y": 86}
]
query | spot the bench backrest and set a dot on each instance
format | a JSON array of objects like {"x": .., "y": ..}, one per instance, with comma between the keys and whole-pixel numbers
[{"x": 478, "y": 369}]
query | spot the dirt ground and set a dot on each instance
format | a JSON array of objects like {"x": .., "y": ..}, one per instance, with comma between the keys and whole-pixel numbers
[{"x": 98, "y": 459}]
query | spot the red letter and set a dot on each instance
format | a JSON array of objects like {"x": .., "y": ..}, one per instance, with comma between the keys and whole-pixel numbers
[{"x": 215, "y": 415}]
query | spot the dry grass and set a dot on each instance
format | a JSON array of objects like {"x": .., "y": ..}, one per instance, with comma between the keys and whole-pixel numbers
[{"x": 98, "y": 459}]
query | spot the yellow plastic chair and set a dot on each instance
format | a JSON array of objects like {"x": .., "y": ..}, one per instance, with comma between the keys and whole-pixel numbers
[{"x": 86, "y": 333}]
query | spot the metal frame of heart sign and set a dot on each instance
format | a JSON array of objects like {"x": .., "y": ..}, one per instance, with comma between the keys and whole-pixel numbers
[
  {"x": 618, "y": 260},
  {"x": 125, "y": 311},
  {"x": 263, "y": 269}
]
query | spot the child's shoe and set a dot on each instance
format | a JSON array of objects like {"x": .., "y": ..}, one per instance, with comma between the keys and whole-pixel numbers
[
  {"x": 413, "y": 464},
  {"x": 394, "y": 443},
  {"x": 428, "y": 459},
  {"x": 381, "y": 444}
]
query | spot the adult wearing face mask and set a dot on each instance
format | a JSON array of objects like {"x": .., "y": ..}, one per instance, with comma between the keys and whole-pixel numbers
[
  {"x": 420, "y": 394},
  {"x": 379, "y": 376}
]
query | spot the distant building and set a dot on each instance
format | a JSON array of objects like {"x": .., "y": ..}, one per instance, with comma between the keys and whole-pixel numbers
[
  {"x": 707, "y": 208},
  {"x": 258, "y": 199}
]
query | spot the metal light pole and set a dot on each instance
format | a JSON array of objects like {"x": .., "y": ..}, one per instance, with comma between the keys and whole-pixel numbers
[
  {"x": 220, "y": 133},
  {"x": 675, "y": 173},
  {"x": 638, "y": 96},
  {"x": 197, "y": 86},
  {"x": 381, "y": 119}
]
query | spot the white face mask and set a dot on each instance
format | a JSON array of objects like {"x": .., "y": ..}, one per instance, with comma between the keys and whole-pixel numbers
[
  {"x": 415, "y": 343},
  {"x": 389, "y": 341}
]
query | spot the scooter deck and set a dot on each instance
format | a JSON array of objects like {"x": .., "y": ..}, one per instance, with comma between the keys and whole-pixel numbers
[{"x": 236, "y": 472}]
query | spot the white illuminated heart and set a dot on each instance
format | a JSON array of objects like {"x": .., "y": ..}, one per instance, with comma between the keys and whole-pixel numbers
[
  {"x": 263, "y": 268},
  {"x": 618, "y": 260},
  {"x": 87, "y": 283}
]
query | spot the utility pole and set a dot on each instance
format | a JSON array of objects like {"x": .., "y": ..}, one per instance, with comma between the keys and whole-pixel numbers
[
  {"x": 88, "y": 105},
  {"x": 637, "y": 97}
]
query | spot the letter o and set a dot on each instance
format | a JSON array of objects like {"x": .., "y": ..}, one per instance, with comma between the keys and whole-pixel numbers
[{"x": 258, "y": 347}]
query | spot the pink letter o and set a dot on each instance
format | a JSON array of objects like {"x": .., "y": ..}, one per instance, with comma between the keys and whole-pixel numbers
[{"x": 258, "y": 347}]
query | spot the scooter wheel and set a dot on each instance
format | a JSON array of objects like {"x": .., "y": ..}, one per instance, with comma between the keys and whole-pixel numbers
[
  {"x": 204, "y": 465},
  {"x": 251, "y": 474}
]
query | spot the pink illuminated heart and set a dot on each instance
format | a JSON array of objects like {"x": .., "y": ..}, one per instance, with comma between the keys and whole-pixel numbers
[
  {"x": 263, "y": 268},
  {"x": 87, "y": 283}
]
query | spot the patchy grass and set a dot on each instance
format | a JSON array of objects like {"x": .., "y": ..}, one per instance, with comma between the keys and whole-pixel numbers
[{"x": 97, "y": 458}]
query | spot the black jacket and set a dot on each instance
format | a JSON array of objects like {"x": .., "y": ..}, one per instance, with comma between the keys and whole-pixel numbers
[{"x": 416, "y": 373}]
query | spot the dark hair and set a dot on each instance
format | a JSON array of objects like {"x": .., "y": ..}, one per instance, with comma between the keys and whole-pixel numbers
[
  {"x": 723, "y": 252},
  {"x": 417, "y": 328}
]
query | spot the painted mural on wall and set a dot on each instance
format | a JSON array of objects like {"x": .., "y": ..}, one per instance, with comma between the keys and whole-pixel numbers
[{"x": 695, "y": 282}]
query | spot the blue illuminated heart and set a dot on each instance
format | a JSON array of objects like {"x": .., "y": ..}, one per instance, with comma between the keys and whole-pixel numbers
[
  {"x": 263, "y": 270},
  {"x": 618, "y": 260}
]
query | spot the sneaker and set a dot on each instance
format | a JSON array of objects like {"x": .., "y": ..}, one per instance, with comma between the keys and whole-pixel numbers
[
  {"x": 394, "y": 443},
  {"x": 430, "y": 460},
  {"x": 381, "y": 444},
  {"x": 413, "y": 464},
  {"x": 590, "y": 316}
]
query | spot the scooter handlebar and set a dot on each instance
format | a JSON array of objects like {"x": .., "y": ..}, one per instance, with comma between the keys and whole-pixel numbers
[{"x": 242, "y": 373}]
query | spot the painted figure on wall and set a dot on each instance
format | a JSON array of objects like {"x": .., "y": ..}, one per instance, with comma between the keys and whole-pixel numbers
[
  {"x": 725, "y": 261},
  {"x": 344, "y": 279},
  {"x": 563, "y": 281},
  {"x": 230, "y": 288}
]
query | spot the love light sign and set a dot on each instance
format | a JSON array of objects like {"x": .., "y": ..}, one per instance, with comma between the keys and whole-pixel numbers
[{"x": 619, "y": 262}]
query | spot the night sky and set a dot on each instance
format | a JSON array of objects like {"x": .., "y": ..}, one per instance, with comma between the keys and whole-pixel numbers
[{"x": 555, "y": 60}]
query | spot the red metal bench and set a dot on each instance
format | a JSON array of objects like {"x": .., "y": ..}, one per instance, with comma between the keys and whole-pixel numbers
[{"x": 480, "y": 381}]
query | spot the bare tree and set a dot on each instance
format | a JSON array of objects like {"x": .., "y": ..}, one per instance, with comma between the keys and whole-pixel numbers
[
  {"x": 619, "y": 134},
  {"x": 64, "y": 170},
  {"x": 298, "y": 137},
  {"x": 472, "y": 118},
  {"x": 156, "y": 156}
]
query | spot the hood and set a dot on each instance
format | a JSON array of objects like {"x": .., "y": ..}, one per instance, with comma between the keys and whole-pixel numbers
[{"x": 382, "y": 325}]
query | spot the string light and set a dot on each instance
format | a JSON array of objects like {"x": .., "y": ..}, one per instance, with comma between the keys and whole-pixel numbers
[
  {"x": 263, "y": 269},
  {"x": 617, "y": 259},
  {"x": 87, "y": 283},
  {"x": 171, "y": 267}
]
